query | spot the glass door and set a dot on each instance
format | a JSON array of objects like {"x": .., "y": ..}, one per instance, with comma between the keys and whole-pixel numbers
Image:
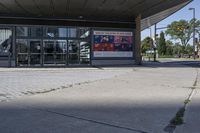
[
  {"x": 22, "y": 52},
  {"x": 29, "y": 52},
  {"x": 48, "y": 52},
  {"x": 55, "y": 52},
  {"x": 35, "y": 53},
  {"x": 61, "y": 52},
  {"x": 73, "y": 52}
]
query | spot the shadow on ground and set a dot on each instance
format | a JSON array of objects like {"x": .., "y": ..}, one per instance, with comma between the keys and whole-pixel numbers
[{"x": 83, "y": 118}]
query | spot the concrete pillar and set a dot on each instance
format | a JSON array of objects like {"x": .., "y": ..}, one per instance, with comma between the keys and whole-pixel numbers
[{"x": 138, "y": 57}]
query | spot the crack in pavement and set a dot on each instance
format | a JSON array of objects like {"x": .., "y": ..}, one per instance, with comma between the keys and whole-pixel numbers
[
  {"x": 59, "y": 88},
  {"x": 179, "y": 118},
  {"x": 4, "y": 97},
  {"x": 90, "y": 120}
]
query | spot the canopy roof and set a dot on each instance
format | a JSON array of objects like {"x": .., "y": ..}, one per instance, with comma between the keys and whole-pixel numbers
[{"x": 125, "y": 11}]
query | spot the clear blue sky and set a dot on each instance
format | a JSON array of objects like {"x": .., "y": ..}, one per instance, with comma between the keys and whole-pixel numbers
[{"x": 182, "y": 14}]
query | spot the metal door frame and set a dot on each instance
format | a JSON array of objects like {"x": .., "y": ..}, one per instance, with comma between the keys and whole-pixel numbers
[
  {"x": 29, "y": 53},
  {"x": 54, "y": 53}
]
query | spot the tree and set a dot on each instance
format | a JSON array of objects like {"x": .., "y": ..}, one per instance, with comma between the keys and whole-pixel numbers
[
  {"x": 189, "y": 50},
  {"x": 147, "y": 44},
  {"x": 169, "y": 47},
  {"x": 162, "y": 44},
  {"x": 177, "y": 49},
  {"x": 182, "y": 30}
]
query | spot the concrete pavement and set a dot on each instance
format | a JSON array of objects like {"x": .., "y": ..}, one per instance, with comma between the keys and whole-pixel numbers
[
  {"x": 17, "y": 82},
  {"x": 192, "y": 116},
  {"x": 136, "y": 100}
]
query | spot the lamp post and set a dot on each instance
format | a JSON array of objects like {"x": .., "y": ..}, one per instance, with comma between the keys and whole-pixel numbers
[
  {"x": 155, "y": 42},
  {"x": 193, "y": 9}
]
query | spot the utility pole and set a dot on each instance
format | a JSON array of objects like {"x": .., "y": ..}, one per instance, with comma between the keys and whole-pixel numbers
[
  {"x": 155, "y": 42},
  {"x": 194, "y": 42}
]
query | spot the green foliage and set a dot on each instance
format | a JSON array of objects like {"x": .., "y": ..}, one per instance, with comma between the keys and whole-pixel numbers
[
  {"x": 166, "y": 56},
  {"x": 169, "y": 48},
  {"x": 147, "y": 44},
  {"x": 177, "y": 49},
  {"x": 162, "y": 44},
  {"x": 189, "y": 50},
  {"x": 182, "y": 30}
]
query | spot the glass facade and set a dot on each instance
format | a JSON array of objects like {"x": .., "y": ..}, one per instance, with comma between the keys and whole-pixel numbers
[
  {"x": 52, "y": 46},
  {"x": 5, "y": 41},
  {"x": 22, "y": 31}
]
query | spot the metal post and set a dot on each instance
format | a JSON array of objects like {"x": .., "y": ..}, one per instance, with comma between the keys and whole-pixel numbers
[
  {"x": 138, "y": 57},
  {"x": 155, "y": 43},
  {"x": 193, "y": 9},
  {"x": 198, "y": 44},
  {"x": 151, "y": 39},
  {"x": 194, "y": 33},
  {"x": 9, "y": 59}
]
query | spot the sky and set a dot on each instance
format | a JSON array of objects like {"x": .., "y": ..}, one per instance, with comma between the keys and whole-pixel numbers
[{"x": 184, "y": 13}]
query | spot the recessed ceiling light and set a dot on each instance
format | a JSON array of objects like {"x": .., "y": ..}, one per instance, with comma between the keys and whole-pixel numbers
[{"x": 80, "y": 17}]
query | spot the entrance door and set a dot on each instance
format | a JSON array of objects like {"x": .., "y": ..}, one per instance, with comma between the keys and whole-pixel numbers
[
  {"x": 55, "y": 52},
  {"x": 29, "y": 52},
  {"x": 35, "y": 53},
  {"x": 73, "y": 52},
  {"x": 61, "y": 52}
]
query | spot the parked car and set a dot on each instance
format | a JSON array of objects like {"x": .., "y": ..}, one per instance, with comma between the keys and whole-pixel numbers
[
  {"x": 177, "y": 56},
  {"x": 186, "y": 56}
]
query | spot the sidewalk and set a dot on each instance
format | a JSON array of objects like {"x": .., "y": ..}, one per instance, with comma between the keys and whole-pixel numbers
[
  {"x": 141, "y": 100},
  {"x": 18, "y": 82},
  {"x": 192, "y": 117}
]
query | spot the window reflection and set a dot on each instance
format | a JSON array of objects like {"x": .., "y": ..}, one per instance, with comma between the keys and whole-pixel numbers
[
  {"x": 72, "y": 32},
  {"x": 48, "y": 47},
  {"x": 61, "y": 45},
  {"x": 84, "y": 32},
  {"x": 36, "y": 31},
  {"x": 84, "y": 52},
  {"x": 62, "y": 32},
  {"x": 5, "y": 41},
  {"x": 22, "y": 31},
  {"x": 55, "y": 32},
  {"x": 22, "y": 45}
]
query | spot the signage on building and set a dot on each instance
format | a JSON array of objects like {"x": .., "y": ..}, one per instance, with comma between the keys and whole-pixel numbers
[{"x": 113, "y": 44}]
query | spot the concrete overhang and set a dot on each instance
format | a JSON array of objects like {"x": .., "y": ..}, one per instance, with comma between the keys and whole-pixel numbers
[{"x": 112, "y": 11}]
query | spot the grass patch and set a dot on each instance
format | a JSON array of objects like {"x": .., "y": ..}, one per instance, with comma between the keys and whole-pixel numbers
[
  {"x": 187, "y": 101},
  {"x": 178, "y": 119}
]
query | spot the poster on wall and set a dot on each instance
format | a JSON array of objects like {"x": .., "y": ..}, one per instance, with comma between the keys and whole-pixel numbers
[{"x": 113, "y": 44}]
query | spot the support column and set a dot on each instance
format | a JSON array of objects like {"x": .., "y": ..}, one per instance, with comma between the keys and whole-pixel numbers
[{"x": 138, "y": 57}]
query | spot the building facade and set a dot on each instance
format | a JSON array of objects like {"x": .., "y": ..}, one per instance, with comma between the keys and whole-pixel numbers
[
  {"x": 80, "y": 33},
  {"x": 37, "y": 46}
]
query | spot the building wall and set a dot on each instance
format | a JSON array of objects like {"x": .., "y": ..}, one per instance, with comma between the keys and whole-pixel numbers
[{"x": 13, "y": 59}]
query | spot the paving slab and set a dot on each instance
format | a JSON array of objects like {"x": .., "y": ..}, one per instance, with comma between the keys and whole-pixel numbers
[{"x": 17, "y": 82}]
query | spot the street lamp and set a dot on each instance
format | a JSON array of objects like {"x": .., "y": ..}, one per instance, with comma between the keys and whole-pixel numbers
[
  {"x": 193, "y": 9},
  {"x": 155, "y": 42}
]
